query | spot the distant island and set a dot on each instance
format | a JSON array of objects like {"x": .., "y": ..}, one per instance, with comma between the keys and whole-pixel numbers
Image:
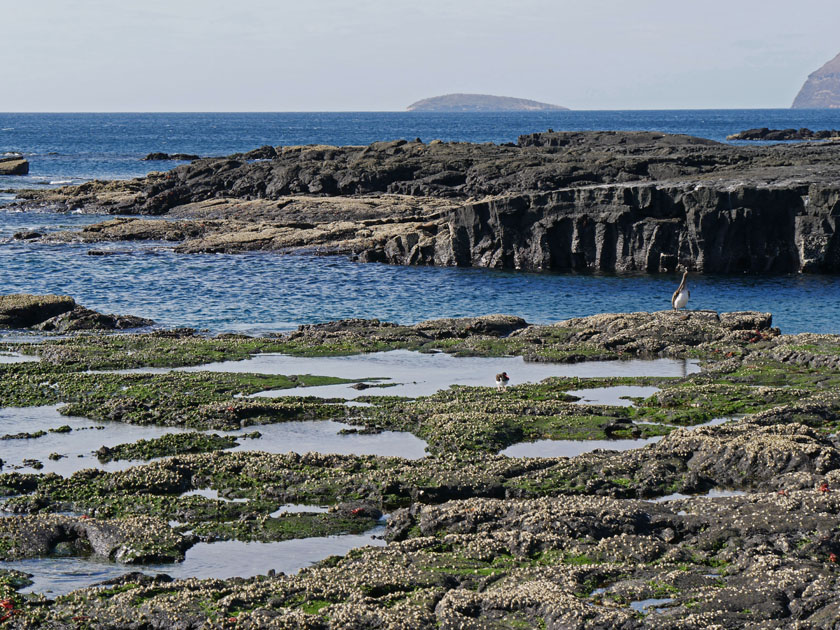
[
  {"x": 822, "y": 89},
  {"x": 481, "y": 103}
]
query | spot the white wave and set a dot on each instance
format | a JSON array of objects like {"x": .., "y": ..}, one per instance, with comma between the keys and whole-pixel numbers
[{"x": 61, "y": 181}]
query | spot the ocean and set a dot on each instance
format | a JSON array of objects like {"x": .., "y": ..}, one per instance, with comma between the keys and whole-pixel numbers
[{"x": 266, "y": 292}]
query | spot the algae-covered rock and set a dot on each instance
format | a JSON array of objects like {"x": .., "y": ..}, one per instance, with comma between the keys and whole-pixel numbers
[
  {"x": 22, "y": 310},
  {"x": 169, "y": 444},
  {"x": 14, "y": 165}
]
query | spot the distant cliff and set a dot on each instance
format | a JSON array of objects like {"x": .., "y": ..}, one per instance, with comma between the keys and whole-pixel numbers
[
  {"x": 480, "y": 103},
  {"x": 822, "y": 89}
]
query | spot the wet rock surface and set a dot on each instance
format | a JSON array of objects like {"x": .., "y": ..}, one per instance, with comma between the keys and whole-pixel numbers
[
  {"x": 611, "y": 201},
  {"x": 475, "y": 539}
]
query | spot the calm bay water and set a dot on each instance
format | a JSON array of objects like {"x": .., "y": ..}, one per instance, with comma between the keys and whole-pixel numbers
[{"x": 268, "y": 292}]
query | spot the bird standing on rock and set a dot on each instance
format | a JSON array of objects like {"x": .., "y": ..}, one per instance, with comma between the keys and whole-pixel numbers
[
  {"x": 502, "y": 380},
  {"x": 680, "y": 297}
]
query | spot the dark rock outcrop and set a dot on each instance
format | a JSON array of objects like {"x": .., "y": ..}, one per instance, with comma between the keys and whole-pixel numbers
[
  {"x": 59, "y": 313},
  {"x": 608, "y": 201},
  {"x": 22, "y": 310},
  {"x": 178, "y": 157},
  {"x": 266, "y": 152},
  {"x": 81, "y": 318},
  {"x": 822, "y": 88},
  {"x": 763, "y": 133},
  {"x": 14, "y": 165}
]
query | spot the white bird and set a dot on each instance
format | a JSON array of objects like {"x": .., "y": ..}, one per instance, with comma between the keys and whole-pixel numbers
[
  {"x": 680, "y": 297},
  {"x": 502, "y": 380}
]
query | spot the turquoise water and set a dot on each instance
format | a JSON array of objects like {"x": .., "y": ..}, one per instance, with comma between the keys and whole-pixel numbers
[{"x": 261, "y": 292}]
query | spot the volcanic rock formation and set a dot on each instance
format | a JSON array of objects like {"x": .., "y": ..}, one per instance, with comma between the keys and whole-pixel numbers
[{"x": 583, "y": 201}]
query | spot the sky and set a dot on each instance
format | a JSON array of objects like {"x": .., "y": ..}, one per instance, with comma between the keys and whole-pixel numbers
[{"x": 374, "y": 55}]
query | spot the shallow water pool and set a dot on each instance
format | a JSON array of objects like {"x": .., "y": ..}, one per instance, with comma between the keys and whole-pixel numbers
[{"x": 58, "y": 576}]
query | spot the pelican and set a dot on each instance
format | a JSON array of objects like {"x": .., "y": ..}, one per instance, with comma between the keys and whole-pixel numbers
[
  {"x": 502, "y": 381},
  {"x": 680, "y": 297}
]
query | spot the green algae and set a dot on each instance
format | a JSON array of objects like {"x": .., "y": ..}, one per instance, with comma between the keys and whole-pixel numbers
[
  {"x": 169, "y": 444},
  {"x": 463, "y": 419},
  {"x": 689, "y": 403},
  {"x": 191, "y": 399},
  {"x": 283, "y": 527}
]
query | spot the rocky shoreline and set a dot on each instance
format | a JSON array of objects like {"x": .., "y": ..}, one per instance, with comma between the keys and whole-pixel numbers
[
  {"x": 777, "y": 135},
  {"x": 476, "y": 539},
  {"x": 582, "y": 201}
]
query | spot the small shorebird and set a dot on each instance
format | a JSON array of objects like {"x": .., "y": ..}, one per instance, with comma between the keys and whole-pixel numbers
[
  {"x": 502, "y": 380},
  {"x": 680, "y": 297}
]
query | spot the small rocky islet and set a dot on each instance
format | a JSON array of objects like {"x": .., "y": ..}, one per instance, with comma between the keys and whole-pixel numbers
[{"x": 475, "y": 539}]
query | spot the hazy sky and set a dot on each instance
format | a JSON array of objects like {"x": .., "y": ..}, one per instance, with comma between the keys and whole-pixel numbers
[{"x": 327, "y": 55}]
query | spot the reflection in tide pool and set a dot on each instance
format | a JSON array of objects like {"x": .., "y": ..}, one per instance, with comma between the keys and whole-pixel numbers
[
  {"x": 213, "y": 495},
  {"x": 322, "y": 436},
  {"x": 16, "y": 357},
  {"x": 423, "y": 374},
  {"x": 650, "y": 605},
  {"x": 615, "y": 396},
  {"x": 57, "y": 576},
  {"x": 573, "y": 448},
  {"x": 77, "y": 447},
  {"x": 297, "y": 508},
  {"x": 714, "y": 493}
]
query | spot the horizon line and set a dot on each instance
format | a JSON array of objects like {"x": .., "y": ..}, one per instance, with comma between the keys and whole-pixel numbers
[{"x": 421, "y": 112}]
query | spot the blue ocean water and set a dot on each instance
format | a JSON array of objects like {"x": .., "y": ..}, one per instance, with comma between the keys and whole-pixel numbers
[
  {"x": 77, "y": 147},
  {"x": 268, "y": 292}
]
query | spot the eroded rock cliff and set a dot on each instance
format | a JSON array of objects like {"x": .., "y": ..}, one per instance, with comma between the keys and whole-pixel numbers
[{"x": 606, "y": 201}]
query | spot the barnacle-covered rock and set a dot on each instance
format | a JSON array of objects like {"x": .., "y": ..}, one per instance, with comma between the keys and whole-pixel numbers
[{"x": 131, "y": 540}]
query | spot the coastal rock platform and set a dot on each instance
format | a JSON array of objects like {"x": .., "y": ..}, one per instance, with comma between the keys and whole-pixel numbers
[
  {"x": 609, "y": 201},
  {"x": 729, "y": 518}
]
